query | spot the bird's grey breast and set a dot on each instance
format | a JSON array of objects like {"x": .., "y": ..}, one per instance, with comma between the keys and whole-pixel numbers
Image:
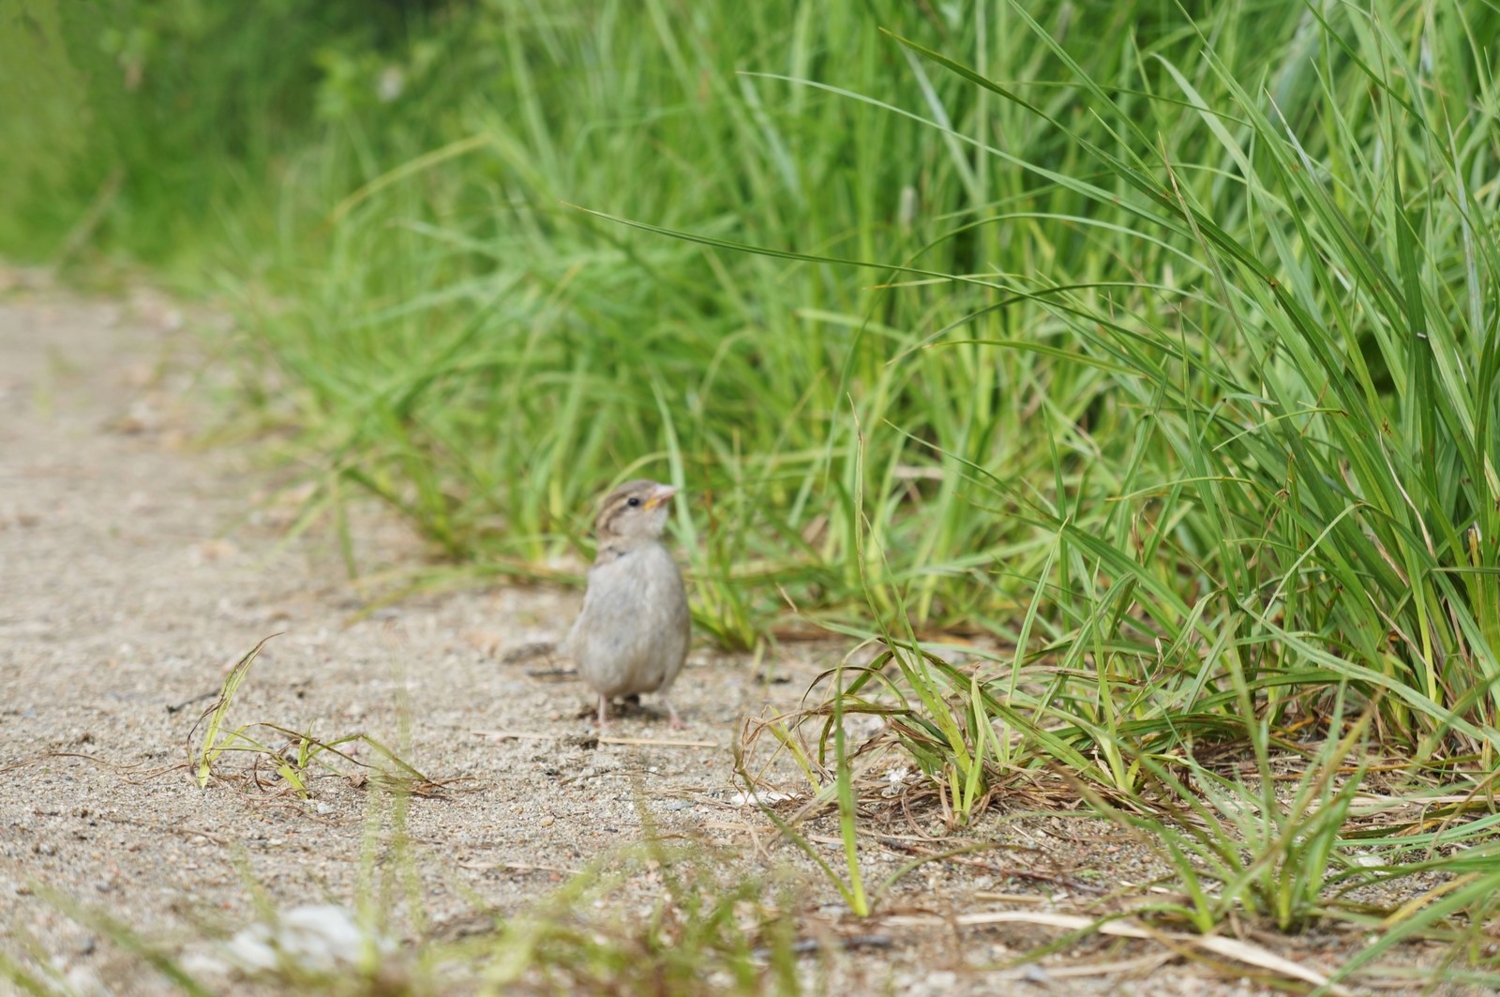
[{"x": 632, "y": 633}]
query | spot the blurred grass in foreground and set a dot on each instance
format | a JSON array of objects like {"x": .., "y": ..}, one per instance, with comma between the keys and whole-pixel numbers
[{"x": 1158, "y": 343}]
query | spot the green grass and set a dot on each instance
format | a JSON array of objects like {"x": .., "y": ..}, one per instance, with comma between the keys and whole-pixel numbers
[
  {"x": 486, "y": 358},
  {"x": 295, "y": 757},
  {"x": 1156, "y": 341}
]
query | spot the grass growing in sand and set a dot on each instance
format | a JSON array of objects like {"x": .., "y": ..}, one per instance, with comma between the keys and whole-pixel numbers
[
  {"x": 292, "y": 758},
  {"x": 1158, "y": 346}
]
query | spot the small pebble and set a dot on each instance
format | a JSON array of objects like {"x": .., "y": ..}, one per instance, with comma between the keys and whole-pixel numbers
[{"x": 1032, "y": 973}]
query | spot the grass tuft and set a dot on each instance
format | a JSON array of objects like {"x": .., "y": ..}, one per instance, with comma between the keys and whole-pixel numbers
[{"x": 292, "y": 759}]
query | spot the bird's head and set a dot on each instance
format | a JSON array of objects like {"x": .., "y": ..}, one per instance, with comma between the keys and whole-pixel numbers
[{"x": 635, "y": 511}]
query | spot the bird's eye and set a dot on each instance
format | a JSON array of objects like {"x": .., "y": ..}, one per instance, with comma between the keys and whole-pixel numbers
[{"x": 632, "y": 501}]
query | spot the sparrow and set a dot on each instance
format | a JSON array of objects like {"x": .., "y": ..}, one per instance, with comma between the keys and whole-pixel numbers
[{"x": 632, "y": 634}]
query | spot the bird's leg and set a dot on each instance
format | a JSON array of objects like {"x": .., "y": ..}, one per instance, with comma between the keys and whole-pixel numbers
[
  {"x": 603, "y": 711},
  {"x": 673, "y": 720}
]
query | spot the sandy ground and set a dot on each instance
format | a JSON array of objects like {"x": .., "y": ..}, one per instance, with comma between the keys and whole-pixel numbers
[{"x": 135, "y": 568}]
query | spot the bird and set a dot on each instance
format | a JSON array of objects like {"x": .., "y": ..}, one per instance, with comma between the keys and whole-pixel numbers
[{"x": 632, "y": 634}]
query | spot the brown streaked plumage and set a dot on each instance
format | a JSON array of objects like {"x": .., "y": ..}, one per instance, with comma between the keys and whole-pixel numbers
[{"x": 632, "y": 634}]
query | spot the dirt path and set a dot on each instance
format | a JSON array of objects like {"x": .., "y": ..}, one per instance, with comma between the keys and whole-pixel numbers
[{"x": 131, "y": 577}]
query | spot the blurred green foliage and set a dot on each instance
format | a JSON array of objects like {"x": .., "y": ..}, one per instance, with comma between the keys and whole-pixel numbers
[{"x": 160, "y": 114}]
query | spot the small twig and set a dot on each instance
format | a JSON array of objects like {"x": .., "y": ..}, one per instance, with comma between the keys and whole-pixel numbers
[
  {"x": 181, "y": 829},
  {"x": 118, "y": 767},
  {"x": 912, "y": 820},
  {"x": 1229, "y": 948},
  {"x": 661, "y": 742},
  {"x": 1055, "y": 878},
  {"x": 804, "y": 946},
  {"x": 664, "y": 742},
  {"x": 518, "y": 867},
  {"x": 1010, "y": 898},
  {"x": 552, "y": 674},
  {"x": 528, "y": 652},
  {"x": 189, "y": 702},
  {"x": 1142, "y": 965}
]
